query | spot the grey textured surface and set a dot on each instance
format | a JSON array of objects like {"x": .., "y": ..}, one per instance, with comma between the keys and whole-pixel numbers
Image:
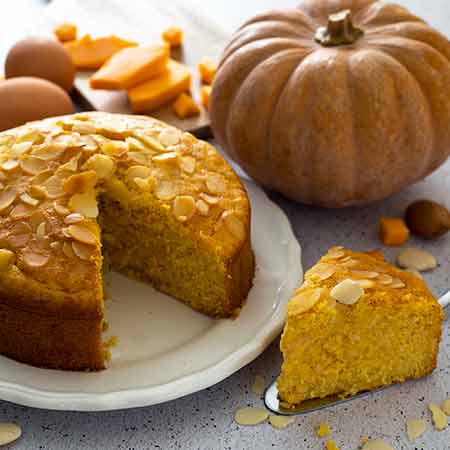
[{"x": 205, "y": 420}]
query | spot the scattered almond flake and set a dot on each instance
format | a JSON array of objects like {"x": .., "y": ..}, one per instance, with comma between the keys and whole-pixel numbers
[
  {"x": 20, "y": 148},
  {"x": 84, "y": 128},
  {"x": 18, "y": 240},
  {"x": 438, "y": 416},
  {"x": 50, "y": 151},
  {"x": 365, "y": 284},
  {"x": 168, "y": 157},
  {"x": 184, "y": 207},
  {"x": 151, "y": 142},
  {"x": 365, "y": 273},
  {"x": 384, "y": 278},
  {"x": 87, "y": 143},
  {"x": 187, "y": 164},
  {"x": 138, "y": 172},
  {"x": 336, "y": 253},
  {"x": 347, "y": 292},
  {"x": 69, "y": 166},
  {"x": 114, "y": 148},
  {"x": 377, "y": 444},
  {"x": 83, "y": 251},
  {"x": 210, "y": 199},
  {"x": 103, "y": 165},
  {"x": 118, "y": 190},
  {"x": 414, "y": 272},
  {"x": 7, "y": 197},
  {"x": 82, "y": 234},
  {"x": 80, "y": 182},
  {"x": 306, "y": 299},
  {"x": 446, "y": 406},
  {"x": 259, "y": 385},
  {"x": 166, "y": 190},
  {"x": 323, "y": 271},
  {"x": 414, "y": 258},
  {"x": 216, "y": 183},
  {"x": 60, "y": 209},
  {"x": 280, "y": 421},
  {"x": 145, "y": 184},
  {"x": 135, "y": 144},
  {"x": 21, "y": 211},
  {"x": 415, "y": 428},
  {"x": 73, "y": 218},
  {"x": 9, "y": 432},
  {"x": 10, "y": 165},
  {"x": 85, "y": 204},
  {"x": 330, "y": 445},
  {"x": 169, "y": 137},
  {"x": 34, "y": 260},
  {"x": 202, "y": 207},
  {"x": 68, "y": 249},
  {"x": 41, "y": 230},
  {"x": 29, "y": 200},
  {"x": 250, "y": 416},
  {"x": 54, "y": 187},
  {"x": 234, "y": 224},
  {"x": 6, "y": 259},
  {"x": 397, "y": 283},
  {"x": 322, "y": 430}
]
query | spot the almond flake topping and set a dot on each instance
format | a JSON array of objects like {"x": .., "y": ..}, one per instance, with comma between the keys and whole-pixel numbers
[
  {"x": 397, "y": 284},
  {"x": 138, "y": 172},
  {"x": 202, "y": 207},
  {"x": 215, "y": 183},
  {"x": 6, "y": 259},
  {"x": 85, "y": 204},
  {"x": 80, "y": 182},
  {"x": 73, "y": 218},
  {"x": 384, "y": 278},
  {"x": 365, "y": 273},
  {"x": 169, "y": 137},
  {"x": 102, "y": 164},
  {"x": 21, "y": 211},
  {"x": 83, "y": 251},
  {"x": 35, "y": 260},
  {"x": 347, "y": 292},
  {"x": 68, "y": 250},
  {"x": 41, "y": 230},
  {"x": 184, "y": 207},
  {"x": 212, "y": 200},
  {"x": 9, "y": 165},
  {"x": 29, "y": 200},
  {"x": 187, "y": 164},
  {"x": 166, "y": 190},
  {"x": 305, "y": 299},
  {"x": 82, "y": 234},
  {"x": 84, "y": 128},
  {"x": 165, "y": 157},
  {"x": 49, "y": 151},
  {"x": 20, "y": 148},
  {"x": 234, "y": 224},
  {"x": 60, "y": 209},
  {"x": 54, "y": 187},
  {"x": 7, "y": 197}
]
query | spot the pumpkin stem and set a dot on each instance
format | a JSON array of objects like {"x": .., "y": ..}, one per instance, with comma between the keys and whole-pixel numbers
[{"x": 339, "y": 31}]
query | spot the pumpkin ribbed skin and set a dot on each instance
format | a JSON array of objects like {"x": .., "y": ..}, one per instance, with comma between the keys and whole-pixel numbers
[{"x": 335, "y": 126}]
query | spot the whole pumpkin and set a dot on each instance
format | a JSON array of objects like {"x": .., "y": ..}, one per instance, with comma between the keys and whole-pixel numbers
[{"x": 336, "y": 102}]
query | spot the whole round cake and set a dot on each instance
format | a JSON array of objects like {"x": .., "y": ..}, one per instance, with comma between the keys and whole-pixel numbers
[{"x": 91, "y": 191}]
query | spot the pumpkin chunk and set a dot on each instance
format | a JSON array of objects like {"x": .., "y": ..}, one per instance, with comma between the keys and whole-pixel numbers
[
  {"x": 205, "y": 93},
  {"x": 393, "y": 231},
  {"x": 88, "y": 53},
  {"x": 185, "y": 106},
  {"x": 173, "y": 36},
  {"x": 66, "y": 32},
  {"x": 207, "y": 68},
  {"x": 131, "y": 66},
  {"x": 162, "y": 89}
]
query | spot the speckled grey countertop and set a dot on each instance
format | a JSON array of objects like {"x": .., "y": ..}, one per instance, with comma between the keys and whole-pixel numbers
[{"x": 205, "y": 420}]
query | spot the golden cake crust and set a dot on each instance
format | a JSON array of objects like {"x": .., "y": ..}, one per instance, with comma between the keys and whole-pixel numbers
[{"x": 52, "y": 174}]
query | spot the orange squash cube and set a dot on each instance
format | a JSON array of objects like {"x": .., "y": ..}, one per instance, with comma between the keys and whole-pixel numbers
[
  {"x": 131, "y": 66},
  {"x": 160, "y": 90},
  {"x": 207, "y": 69},
  {"x": 88, "y": 53},
  {"x": 185, "y": 106},
  {"x": 205, "y": 93},
  {"x": 393, "y": 231},
  {"x": 173, "y": 36},
  {"x": 65, "y": 32}
]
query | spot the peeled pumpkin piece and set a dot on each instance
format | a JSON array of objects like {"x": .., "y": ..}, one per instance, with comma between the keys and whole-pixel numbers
[
  {"x": 131, "y": 66},
  {"x": 162, "y": 89},
  {"x": 88, "y": 53}
]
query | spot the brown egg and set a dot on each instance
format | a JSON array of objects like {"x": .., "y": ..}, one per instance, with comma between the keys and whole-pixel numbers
[
  {"x": 23, "y": 99},
  {"x": 43, "y": 58}
]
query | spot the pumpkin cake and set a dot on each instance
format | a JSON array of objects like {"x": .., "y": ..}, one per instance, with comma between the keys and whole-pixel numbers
[
  {"x": 94, "y": 190},
  {"x": 356, "y": 323}
]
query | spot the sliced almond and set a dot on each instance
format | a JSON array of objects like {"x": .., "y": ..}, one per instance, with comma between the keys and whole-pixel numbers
[
  {"x": 7, "y": 258},
  {"x": 169, "y": 157},
  {"x": 384, "y": 278},
  {"x": 68, "y": 249},
  {"x": 7, "y": 197},
  {"x": 323, "y": 271},
  {"x": 34, "y": 260},
  {"x": 69, "y": 166},
  {"x": 136, "y": 144},
  {"x": 21, "y": 211},
  {"x": 415, "y": 428},
  {"x": 202, "y": 207},
  {"x": 37, "y": 192},
  {"x": 85, "y": 204},
  {"x": 166, "y": 190},
  {"x": 103, "y": 165},
  {"x": 210, "y": 199},
  {"x": 336, "y": 253},
  {"x": 49, "y": 151},
  {"x": 365, "y": 284},
  {"x": 187, "y": 164},
  {"x": 184, "y": 207},
  {"x": 84, "y": 128},
  {"x": 83, "y": 251},
  {"x": 305, "y": 299},
  {"x": 397, "y": 283},
  {"x": 438, "y": 416},
  {"x": 145, "y": 184},
  {"x": 365, "y": 273},
  {"x": 250, "y": 416},
  {"x": 347, "y": 292},
  {"x": 281, "y": 422},
  {"x": 29, "y": 200},
  {"x": 377, "y": 444},
  {"x": 73, "y": 218},
  {"x": 414, "y": 258},
  {"x": 54, "y": 187},
  {"x": 138, "y": 172},
  {"x": 80, "y": 182},
  {"x": 82, "y": 234},
  {"x": 9, "y": 165},
  {"x": 41, "y": 230},
  {"x": 9, "y": 432},
  {"x": 169, "y": 137},
  {"x": 138, "y": 157},
  {"x": 61, "y": 209},
  {"x": 259, "y": 385},
  {"x": 234, "y": 224},
  {"x": 153, "y": 143},
  {"x": 20, "y": 148},
  {"x": 349, "y": 264},
  {"x": 216, "y": 183}
]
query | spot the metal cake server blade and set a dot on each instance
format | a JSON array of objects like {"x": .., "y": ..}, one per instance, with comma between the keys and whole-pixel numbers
[{"x": 273, "y": 403}]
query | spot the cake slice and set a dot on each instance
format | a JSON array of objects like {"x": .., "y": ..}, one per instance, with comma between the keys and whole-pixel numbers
[{"x": 356, "y": 323}]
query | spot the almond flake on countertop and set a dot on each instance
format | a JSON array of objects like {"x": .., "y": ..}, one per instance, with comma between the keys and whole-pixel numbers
[
  {"x": 259, "y": 385},
  {"x": 248, "y": 416},
  {"x": 377, "y": 444},
  {"x": 439, "y": 417},
  {"x": 322, "y": 430},
  {"x": 280, "y": 421},
  {"x": 415, "y": 428},
  {"x": 9, "y": 432},
  {"x": 330, "y": 445}
]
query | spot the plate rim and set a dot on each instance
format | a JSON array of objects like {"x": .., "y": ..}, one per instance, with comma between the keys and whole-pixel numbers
[{"x": 181, "y": 387}]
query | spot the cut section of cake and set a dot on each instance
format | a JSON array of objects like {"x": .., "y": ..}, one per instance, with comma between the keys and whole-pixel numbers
[
  {"x": 356, "y": 323},
  {"x": 95, "y": 191}
]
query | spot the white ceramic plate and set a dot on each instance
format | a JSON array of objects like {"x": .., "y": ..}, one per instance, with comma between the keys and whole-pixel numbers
[{"x": 165, "y": 349}]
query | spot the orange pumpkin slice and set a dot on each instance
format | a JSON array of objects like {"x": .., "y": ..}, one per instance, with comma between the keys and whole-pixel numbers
[
  {"x": 88, "y": 53},
  {"x": 131, "y": 66},
  {"x": 185, "y": 106},
  {"x": 162, "y": 89}
]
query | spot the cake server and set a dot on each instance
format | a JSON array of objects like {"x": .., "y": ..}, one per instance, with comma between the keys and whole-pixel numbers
[{"x": 272, "y": 402}]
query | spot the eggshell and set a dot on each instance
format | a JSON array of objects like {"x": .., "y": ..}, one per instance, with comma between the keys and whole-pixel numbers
[
  {"x": 24, "y": 99},
  {"x": 41, "y": 57}
]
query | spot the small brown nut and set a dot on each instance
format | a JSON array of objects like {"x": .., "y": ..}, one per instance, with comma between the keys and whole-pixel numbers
[{"x": 427, "y": 219}]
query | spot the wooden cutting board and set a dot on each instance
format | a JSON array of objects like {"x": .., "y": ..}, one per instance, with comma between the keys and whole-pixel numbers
[{"x": 141, "y": 21}]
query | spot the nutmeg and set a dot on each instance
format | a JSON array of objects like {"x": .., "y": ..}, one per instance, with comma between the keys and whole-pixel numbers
[{"x": 427, "y": 219}]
